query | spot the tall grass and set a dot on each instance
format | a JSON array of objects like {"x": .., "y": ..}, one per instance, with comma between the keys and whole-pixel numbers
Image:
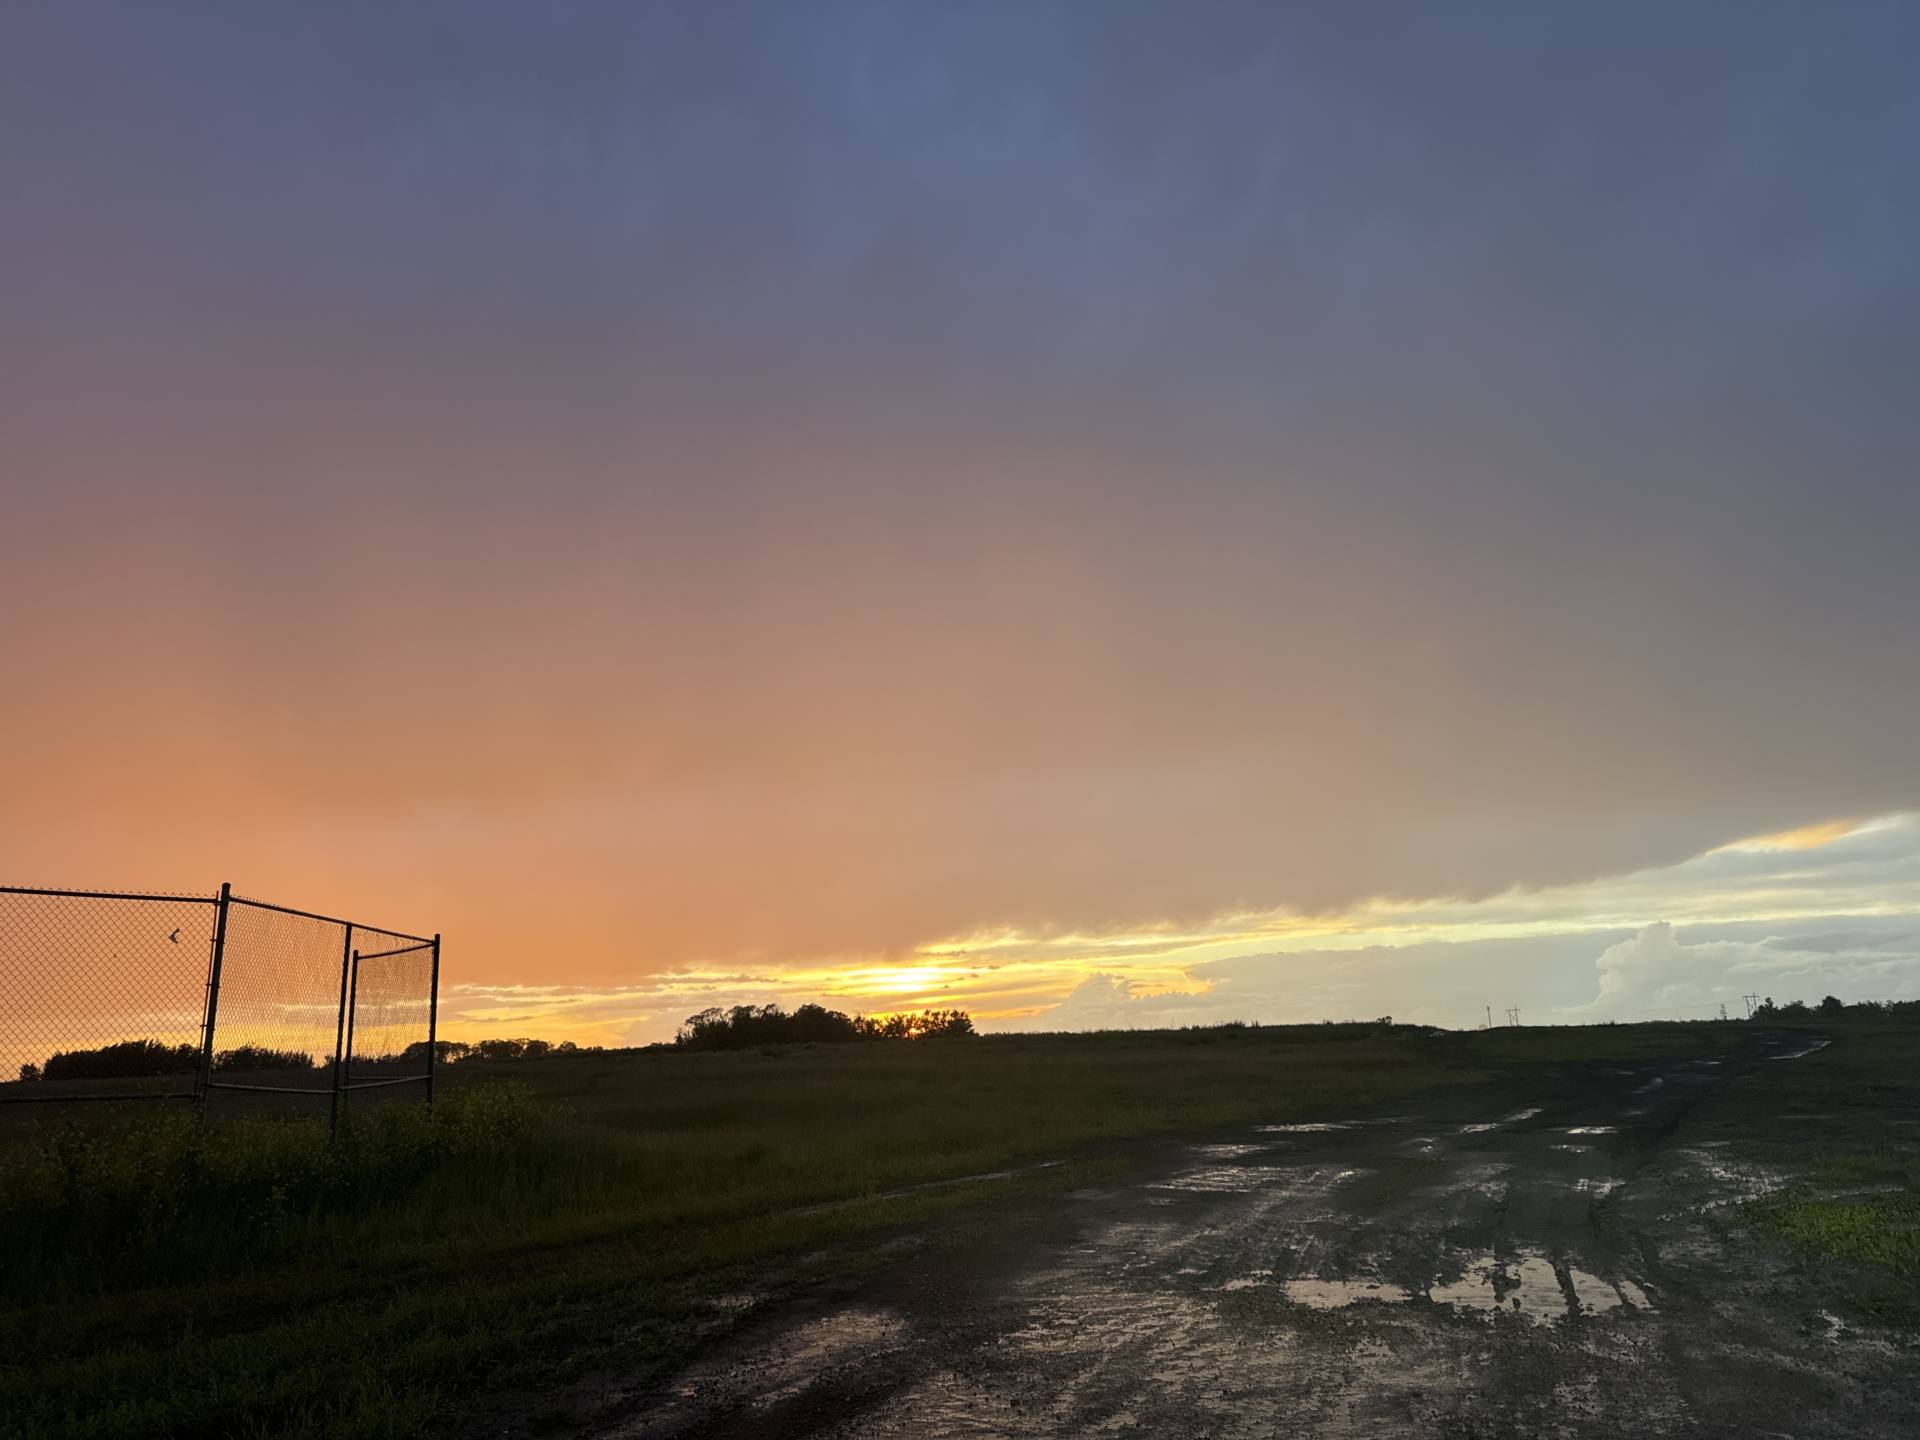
[{"x": 159, "y": 1198}]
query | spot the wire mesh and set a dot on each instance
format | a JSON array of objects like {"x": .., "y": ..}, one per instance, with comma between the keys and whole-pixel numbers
[
  {"x": 278, "y": 1016},
  {"x": 101, "y": 992},
  {"x": 392, "y": 1006}
]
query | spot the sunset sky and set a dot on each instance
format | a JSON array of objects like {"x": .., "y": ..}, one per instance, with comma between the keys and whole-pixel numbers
[{"x": 1098, "y": 513}]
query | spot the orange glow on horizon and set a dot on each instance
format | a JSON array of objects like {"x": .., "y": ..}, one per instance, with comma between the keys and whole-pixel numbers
[{"x": 1803, "y": 837}]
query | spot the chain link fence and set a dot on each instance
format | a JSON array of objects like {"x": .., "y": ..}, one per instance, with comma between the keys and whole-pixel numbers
[{"x": 120, "y": 995}]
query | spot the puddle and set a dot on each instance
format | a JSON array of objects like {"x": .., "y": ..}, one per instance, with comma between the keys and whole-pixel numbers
[
  {"x": 1819, "y": 1044},
  {"x": 1592, "y": 1129},
  {"x": 1217, "y": 1179},
  {"x": 1528, "y": 1287},
  {"x": 1338, "y": 1294},
  {"x": 1598, "y": 1188},
  {"x": 1245, "y": 1179},
  {"x": 1311, "y": 1127},
  {"x": 1574, "y": 1149},
  {"x": 1592, "y": 1294},
  {"x": 1247, "y": 1281},
  {"x": 1486, "y": 1125},
  {"x": 1531, "y": 1286}
]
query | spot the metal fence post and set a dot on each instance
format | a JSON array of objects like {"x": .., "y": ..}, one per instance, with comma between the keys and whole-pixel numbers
[
  {"x": 213, "y": 997},
  {"x": 339, "y": 1032},
  {"x": 433, "y": 1020},
  {"x": 353, "y": 1003}
]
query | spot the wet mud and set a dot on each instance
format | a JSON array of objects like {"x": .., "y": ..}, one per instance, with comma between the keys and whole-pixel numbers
[{"x": 1564, "y": 1262}]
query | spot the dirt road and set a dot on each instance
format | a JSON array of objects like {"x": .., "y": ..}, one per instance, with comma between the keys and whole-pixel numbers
[{"x": 1489, "y": 1263}]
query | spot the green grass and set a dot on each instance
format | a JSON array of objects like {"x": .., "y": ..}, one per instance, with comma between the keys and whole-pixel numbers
[
  {"x": 1855, "y": 1191},
  {"x": 1881, "y": 1231},
  {"x": 163, "y": 1279}
]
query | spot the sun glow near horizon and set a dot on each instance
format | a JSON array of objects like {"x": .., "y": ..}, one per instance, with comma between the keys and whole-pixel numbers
[{"x": 1012, "y": 979}]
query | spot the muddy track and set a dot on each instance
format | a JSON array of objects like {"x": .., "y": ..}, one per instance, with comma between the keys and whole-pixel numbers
[{"x": 1499, "y": 1261}]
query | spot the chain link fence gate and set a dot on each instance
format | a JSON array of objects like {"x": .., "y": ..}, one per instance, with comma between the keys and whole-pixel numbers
[{"x": 120, "y": 995}]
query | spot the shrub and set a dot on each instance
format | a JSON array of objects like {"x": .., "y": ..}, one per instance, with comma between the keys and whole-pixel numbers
[
  {"x": 122, "y": 1061},
  {"x": 263, "y": 1057}
]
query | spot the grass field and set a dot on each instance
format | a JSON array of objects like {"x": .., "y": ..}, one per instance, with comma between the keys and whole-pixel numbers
[
  {"x": 244, "y": 1278},
  {"x": 1855, "y": 1194}
]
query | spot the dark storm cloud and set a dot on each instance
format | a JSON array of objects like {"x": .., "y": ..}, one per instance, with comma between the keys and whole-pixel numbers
[{"x": 828, "y": 477}]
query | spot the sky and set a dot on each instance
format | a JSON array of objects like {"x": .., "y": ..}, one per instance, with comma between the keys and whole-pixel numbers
[{"x": 1316, "y": 510}]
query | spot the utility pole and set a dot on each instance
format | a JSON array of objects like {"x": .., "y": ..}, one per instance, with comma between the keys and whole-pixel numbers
[
  {"x": 1489, "y": 1017},
  {"x": 1752, "y": 1000},
  {"x": 1723, "y": 1010},
  {"x": 1513, "y": 1016}
]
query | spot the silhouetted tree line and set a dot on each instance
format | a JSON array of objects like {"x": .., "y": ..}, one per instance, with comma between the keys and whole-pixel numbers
[
  {"x": 745, "y": 1026},
  {"x": 450, "y": 1051},
  {"x": 1834, "y": 1008},
  {"x": 131, "y": 1059}
]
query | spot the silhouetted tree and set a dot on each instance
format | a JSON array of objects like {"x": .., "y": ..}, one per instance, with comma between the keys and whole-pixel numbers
[
  {"x": 122, "y": 1061},
  {"x": 747, "y": 1026},
  {"x": 943, "y": 1024},
  {"x": 445, "y": 1051},
  {"x": 263, "y": 1057}
]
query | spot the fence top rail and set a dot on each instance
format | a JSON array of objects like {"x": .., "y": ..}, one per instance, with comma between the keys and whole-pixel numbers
[
  {"x": 110, "y": 895},
  {"x": 389, "y": 954},
  {"x": 332, "y": 919}
]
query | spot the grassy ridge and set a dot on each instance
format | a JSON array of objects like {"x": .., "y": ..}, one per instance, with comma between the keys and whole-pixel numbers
[{"x": 162, "y": 1280}]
